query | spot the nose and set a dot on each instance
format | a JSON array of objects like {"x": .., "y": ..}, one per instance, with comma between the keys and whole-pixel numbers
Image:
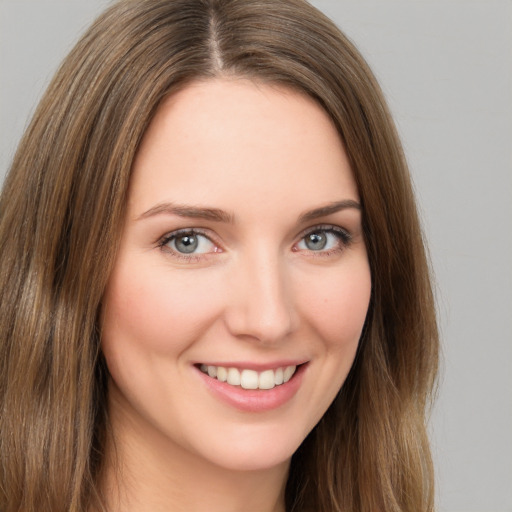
[{"x": 261, "y": 305}]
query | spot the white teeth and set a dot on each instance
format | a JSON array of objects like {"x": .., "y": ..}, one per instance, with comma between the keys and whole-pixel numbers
[
  {"x": 222, "y": 374},
  {"x": 233, "y": 377},
  {"x": 266, "y": 380},
  {"x": 250, "y": 379},
  {"x": 288, "y": 372}
]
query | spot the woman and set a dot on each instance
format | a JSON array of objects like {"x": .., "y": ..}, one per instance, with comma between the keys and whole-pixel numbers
[{"x": 214, "y": 287}]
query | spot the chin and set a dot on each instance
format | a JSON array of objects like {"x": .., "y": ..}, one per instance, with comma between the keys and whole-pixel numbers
[{"x": 253, "y": 451}]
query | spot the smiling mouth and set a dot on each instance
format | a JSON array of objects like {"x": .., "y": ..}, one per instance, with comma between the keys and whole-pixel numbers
[{"x": 250, "y": 379}]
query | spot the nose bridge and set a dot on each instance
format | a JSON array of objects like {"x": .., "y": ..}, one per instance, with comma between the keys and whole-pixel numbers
[{"x": 263, "y": 307}]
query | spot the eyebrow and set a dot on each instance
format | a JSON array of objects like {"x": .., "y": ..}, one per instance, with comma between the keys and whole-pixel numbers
[
  {"x": 193, "y": 212},
  {"x": 217, "y": 215},
  {"x": 329, "y": 209}
]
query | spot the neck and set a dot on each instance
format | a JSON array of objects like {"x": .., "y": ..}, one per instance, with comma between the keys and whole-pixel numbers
[{"x": 146, "y": 473}]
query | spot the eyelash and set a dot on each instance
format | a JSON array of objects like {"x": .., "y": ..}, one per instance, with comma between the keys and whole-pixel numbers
[
  {"x": 192, "y": 257},
  {"x": 343, "y": 236}
]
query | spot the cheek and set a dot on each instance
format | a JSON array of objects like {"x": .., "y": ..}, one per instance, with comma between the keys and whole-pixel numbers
[
  {"x": 154, "y": 309},
  {"x": 336, "y": 305}
]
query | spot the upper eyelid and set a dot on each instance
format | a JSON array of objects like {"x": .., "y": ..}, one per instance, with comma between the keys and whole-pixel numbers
[
  {"x": 183, "y": 231},
  {"x": 324, "y": 227}
]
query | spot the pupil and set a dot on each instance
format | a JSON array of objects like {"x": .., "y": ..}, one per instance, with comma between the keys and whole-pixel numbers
[
  {"x": 186, "y": 243},
  {"x": 316, "y": 241}
]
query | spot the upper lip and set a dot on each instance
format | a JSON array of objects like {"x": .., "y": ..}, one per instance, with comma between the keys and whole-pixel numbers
[{"x": 251, "y": 365}]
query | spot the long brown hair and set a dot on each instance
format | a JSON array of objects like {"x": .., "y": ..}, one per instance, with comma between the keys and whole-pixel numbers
[{"x": 61, "y": 213}]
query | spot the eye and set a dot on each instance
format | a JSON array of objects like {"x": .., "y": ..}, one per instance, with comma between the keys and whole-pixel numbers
[
  {"x": 326, "y": 239},
  {"x": 188, "y": 242}
]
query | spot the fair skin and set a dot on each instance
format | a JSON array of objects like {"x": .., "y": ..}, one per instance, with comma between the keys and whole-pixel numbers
[{"x": 242, "y": 249}]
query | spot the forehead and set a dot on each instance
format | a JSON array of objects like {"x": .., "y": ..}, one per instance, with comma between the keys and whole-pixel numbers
[{"x": 223, "y": 139}]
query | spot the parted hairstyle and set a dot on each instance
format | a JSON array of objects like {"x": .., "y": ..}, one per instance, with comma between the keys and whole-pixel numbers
[{"x": 61, "y": 214}]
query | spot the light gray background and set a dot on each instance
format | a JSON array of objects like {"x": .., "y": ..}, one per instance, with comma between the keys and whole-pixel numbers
[{"x": 446, "y": 69}]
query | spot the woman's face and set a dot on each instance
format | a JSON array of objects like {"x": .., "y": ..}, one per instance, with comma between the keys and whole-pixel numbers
[{"x": 241, "y": 286}]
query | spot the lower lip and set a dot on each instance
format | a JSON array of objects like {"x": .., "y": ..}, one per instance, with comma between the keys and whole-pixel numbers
[{"x": 255, "y": 400}]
